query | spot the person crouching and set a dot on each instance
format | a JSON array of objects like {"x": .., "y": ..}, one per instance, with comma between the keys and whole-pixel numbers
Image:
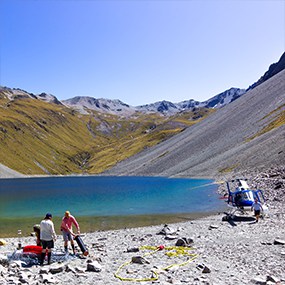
[{"x": 66, "y": 227}]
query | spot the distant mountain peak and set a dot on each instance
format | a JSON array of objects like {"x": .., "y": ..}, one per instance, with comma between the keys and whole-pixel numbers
[
  {"x": 224, "y": 98},
  {"x": 166, "y": 108},
  {"x": 83, "y": 103},
  {"x": 17, "y": 93},
  {"x": 48, "y": 98}
]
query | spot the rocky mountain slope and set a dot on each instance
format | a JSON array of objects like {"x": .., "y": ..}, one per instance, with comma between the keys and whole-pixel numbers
[
  {"x": 166, "y": 108},
  {"x": 247, "y": 134},
  {"x": 85, "y": 103},
  {"x": 40, "y": 135},
  {"x": 273, "y": 69}
]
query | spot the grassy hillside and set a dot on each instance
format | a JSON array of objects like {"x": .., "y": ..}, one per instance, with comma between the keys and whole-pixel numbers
[
  {"x": 37, "y": 137},
  {"x": 246, "y": 135},
  {"x": 276, "y": 119}
]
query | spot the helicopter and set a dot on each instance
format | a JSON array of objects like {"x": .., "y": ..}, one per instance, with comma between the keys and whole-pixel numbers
[{"x": 241, "y": 199}]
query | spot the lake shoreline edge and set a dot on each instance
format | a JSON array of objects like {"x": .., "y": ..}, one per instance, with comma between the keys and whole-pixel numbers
[{"x": 239, "y": 253}]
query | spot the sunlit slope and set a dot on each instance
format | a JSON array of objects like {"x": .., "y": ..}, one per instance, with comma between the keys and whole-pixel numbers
[
  {"x": 132, "y": 135},
  {"x": 37, "y": 137},
  {"x": 246, "y": 135}
]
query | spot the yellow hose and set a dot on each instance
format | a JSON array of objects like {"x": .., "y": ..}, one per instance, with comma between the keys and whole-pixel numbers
[{"x": 173, "y": 252}]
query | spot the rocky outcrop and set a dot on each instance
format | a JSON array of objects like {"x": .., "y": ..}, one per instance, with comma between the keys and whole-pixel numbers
[{"x": 273, "y": 70}]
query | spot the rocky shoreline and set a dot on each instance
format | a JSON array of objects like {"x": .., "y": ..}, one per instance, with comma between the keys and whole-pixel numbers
[{"x": 239, "y": 251}]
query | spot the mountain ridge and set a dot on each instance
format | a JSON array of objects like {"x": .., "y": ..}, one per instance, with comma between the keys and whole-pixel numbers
[
  {"x": 167, "y": 108},
  {"x": 246, "y": 134},
  {"x": 117, "y": 107},
  {"x": 41, "y": 135},
  {"x": 164, "y": 107},
  {"x": 273, "y": 69}
]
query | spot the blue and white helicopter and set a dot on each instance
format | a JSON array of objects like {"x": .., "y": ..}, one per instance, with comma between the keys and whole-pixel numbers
[{"x": 241, "y": 199}]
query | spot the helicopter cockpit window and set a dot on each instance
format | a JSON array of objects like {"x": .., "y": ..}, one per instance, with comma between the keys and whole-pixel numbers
[{"x": 245, "y": 196}]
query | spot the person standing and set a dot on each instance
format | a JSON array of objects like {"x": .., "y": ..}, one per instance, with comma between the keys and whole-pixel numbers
[
  {"x": 257, "y": 207},
  {"x": 47, "y": 236},
  {"x": 66, "y": 227}
]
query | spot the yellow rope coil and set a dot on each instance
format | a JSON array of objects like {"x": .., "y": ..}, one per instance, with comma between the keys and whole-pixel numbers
[{"x": 173, "y": 251}]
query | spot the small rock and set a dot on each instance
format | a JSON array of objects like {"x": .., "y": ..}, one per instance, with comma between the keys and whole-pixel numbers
[
  {"x": 184, "y": 242},
  {"x": 200, "y": 266},
  {"x": 94, "y": 266},
  {"x": 273, "y": 279},
  {"x": 259, "y": 281},
  {"x": 69, "y": 268},
  {"x": 133, "y": 249},
  {"x": 47, "y": 278},
  {"x": 57, "y": 269},
  {"x": 43, "y": 271},
  {"x": 16, "y": 264},
  {"x": 3, "y": 269},
  {"x": 171, "y": 237},
  {"x": 166, "y": 231},
  {"x": 211, "y": 227},
  {"x": 4, "y": 260},
  {"x": 79, "y": 269},
  {"x": 23, "y": 280},
  {"x": 206, "y": 270},
  {"x": 279, "y": 241},
  {"x": 103, "y": 238},
  {"x": 139, "y": 260}
]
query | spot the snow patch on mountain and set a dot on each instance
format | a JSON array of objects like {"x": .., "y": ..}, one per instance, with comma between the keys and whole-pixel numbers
[
  {"x": 48, "y": 98},
  {"x": 17, "y": 93},
  {"x": 224, "y": 98},
  {"x": 166, "y": 108},
  {"x": 85, "y": 103},
  {"x": 163, "y": 107},
  {"x": 169, "y": 108}
]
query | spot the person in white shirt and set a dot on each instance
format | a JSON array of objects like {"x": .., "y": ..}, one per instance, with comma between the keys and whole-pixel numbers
[
  {"x": 257, "y": 207},
  {"x": 47, "y": 236}
]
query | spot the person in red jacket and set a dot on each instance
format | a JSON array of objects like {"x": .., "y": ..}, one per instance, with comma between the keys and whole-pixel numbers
[{"x": 66, "y": 227}]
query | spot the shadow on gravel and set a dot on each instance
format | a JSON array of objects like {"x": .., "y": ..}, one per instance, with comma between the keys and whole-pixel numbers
[{"x": 232, "y": 220}]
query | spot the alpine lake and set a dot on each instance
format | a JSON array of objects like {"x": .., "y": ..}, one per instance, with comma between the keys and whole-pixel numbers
[{"x": 103, "y": 202}]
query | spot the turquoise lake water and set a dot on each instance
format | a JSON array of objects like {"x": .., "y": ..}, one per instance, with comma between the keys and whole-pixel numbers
[{"x": 102, "y": 199}]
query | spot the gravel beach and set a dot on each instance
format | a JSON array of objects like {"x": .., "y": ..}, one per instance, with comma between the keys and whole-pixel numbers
[
  {"x": 239, "y": 252},
  {"x": 203, "y": 251}
]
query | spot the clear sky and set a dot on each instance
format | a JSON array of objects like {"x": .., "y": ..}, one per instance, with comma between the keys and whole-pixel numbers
[{"x": 138, "y": 51}]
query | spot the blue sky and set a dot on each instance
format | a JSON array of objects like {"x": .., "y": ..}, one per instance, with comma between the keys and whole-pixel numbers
[{"x": 138, "y": 51}]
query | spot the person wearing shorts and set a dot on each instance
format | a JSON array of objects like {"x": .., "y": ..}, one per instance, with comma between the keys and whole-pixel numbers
[
  {"x": 66, "y": 227},
  {"x": 47, "y": 237},
  {"x": 257, "y": 207}
]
